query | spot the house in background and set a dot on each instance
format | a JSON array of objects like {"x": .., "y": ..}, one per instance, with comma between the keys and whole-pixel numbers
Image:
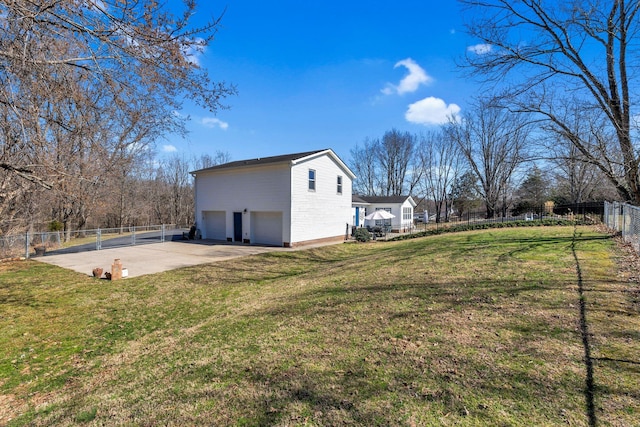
[
  {"x": 400, "y": 206},
  {"x": 358, "y": 210},
  {"x": 286, "y": 200}
]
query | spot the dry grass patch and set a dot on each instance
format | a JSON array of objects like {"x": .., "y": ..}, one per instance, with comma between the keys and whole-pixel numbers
[{"x": 476, "y": 328}]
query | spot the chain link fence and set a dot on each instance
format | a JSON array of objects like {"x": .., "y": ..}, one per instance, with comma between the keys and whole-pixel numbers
[
  {"x": 59, "y": 242},
  {"x": 625, "y": 219}
]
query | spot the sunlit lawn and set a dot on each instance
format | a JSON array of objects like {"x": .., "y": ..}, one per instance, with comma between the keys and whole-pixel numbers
[{"x": 475, "y": 328}]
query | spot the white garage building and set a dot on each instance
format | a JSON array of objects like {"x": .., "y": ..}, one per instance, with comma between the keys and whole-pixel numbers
[{"x": 286, "y": 200}]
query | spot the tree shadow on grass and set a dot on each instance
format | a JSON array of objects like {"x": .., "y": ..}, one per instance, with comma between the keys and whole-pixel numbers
[
  {"x": 451, "y": 295},
  {"x": 589, "y": 386}
]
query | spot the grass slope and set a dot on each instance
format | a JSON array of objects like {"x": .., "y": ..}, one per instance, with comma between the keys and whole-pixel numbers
[{"x": 476, "y": 328}]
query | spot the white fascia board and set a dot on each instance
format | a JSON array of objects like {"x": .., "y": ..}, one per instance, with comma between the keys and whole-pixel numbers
[{"x": 331, "y": 154}]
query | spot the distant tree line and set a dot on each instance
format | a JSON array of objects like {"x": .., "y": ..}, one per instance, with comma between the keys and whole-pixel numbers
[
  {"x": 488, "y": 157},
  {"x": 147, "y": 191},
  {"x": 86, "y": 89},
  {"x": 570, "y": 68},
  {"x": 560, "y": 121}
]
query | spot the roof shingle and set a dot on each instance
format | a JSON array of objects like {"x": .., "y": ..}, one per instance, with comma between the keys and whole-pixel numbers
[{"x": 285, "y": 158}]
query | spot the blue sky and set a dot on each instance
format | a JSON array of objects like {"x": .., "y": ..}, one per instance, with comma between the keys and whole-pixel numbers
[{"x": 326, "y": 74}]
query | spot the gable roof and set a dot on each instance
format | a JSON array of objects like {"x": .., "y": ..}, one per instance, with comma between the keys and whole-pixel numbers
[
  {"x": 357, "y": 200},
  {"x": 284, "y": 158},
  {"x": 385, "y": 199}
]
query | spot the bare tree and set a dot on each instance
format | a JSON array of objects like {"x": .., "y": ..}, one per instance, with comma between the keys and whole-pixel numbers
[
  {"x": 386, "y": 166},
  {"x": 207, "y": 160},
  {"x": 440, "y": 161},
  {"x": 576, "y": 180},
  {"x": 395, "y": 154},
  {"x": 170, "y": 191},
  {"x": 365, "y": 166},
  {"x": 84, "y": 85},
  {"x": 561, "y": 55},
  {"x": 492, "y": 141},
  {"x": 123, "y": 198},
  {"x": 175, "y": 172}
]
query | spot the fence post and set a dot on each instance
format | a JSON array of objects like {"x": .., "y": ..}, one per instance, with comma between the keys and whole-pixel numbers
[
  {"x": 26, "y": 245},
  {"x": 98, "y": 239},
  {"x": 133, "y": 236},
  {"x": 162, "y": 238}
]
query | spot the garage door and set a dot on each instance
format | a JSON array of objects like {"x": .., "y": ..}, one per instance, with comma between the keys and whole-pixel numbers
[
  {"x": 215, "y": 225},
  {"x": 266, "y": 228}
]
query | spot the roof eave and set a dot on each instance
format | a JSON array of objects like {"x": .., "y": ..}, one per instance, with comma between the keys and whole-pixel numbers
[{"x": 331, "y": 154}]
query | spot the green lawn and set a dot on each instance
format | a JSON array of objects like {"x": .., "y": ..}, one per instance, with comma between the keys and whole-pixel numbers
[{"x": 476, "y": 328}]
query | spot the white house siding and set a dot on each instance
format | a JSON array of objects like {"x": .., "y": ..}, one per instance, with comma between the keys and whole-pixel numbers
[
  {"x": 357, "y": 215},
  {"x": 397, "y": 223},
  {"x": 264, "y": 188},
  {"x": 405, "y": 224},
  {"x": 323, "y": 213}
]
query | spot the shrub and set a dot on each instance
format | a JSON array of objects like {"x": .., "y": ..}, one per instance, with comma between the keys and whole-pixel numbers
[
  {"x": 55, "y": 225},
  {"x": 487, "y": 226},
  {"x": 362, "y": 235}
]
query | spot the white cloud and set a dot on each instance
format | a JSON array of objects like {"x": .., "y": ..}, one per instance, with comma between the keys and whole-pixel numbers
[
  {"x": 168, "y": 148},
  {"x": 431, "y": 111},
  {"x": 212, "y": 122},
  {"x": 480, "y": 49},
  {"x": 411, "y": 82}
]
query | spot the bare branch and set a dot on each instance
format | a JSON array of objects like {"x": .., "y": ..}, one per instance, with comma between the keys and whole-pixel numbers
[{"x": 576, "y": 52}]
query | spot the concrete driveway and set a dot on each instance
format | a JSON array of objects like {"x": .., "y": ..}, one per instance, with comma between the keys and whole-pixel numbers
[{"x": 155, "y": 257}]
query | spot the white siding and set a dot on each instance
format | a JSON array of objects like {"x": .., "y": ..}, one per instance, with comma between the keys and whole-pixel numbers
[
  {"x": 279, "y": 196},
  {"x": 397, "y": 223},
  {"x": 361, "y": 212},
  {"x": 264, "y": 188},
  {"x": 405, "y": 224},
  {"x": 322, "y": 213}
]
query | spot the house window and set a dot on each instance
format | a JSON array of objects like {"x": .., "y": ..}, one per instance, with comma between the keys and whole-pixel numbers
[
  {"x": 312, "y": 180},
  {"x": 406, "y": 214},
  {"x": 339, "y": 184}
]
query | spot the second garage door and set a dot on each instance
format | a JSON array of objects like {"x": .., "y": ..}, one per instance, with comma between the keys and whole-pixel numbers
[{"x": 266, "y": 228}]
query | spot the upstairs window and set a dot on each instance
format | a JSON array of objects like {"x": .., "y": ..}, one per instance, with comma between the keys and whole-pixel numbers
[
  {"x": 339, "y": 189},
  {"x": 312, "y": 180}
]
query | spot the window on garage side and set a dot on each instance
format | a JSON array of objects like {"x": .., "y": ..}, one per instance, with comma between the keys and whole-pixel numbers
[
  {"x": 312, "y": 180},
  {"x": 339, "y": 182}
]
